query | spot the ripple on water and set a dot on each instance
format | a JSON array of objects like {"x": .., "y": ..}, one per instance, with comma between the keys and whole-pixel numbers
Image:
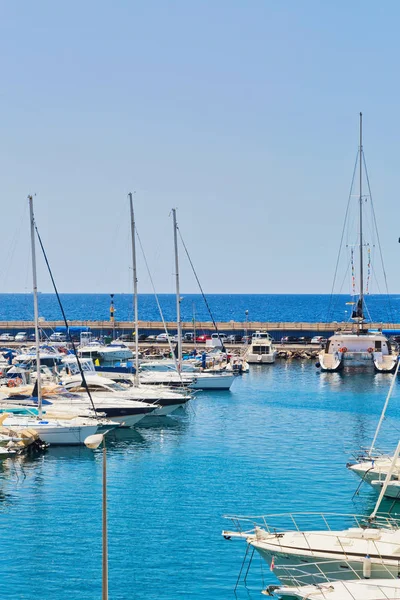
[{"x": 278, "y": 442}]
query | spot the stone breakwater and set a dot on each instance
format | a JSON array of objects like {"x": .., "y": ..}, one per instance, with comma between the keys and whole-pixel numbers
[{"x": 298, "y": 354}]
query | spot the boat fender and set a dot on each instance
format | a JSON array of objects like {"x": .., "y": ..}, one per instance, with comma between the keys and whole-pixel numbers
[
  {"x": 367, "y": 567},
  {"x": 370, "y": 350},
  {"x": 343, "y": 350},
  {"x": 318, "y": 364}
]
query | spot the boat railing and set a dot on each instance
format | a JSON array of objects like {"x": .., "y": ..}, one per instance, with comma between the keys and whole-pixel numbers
[
  {"x": 368, "y": 455},
  {"x": 310, "y": 521},
  {"x": 313, "y": 574}
]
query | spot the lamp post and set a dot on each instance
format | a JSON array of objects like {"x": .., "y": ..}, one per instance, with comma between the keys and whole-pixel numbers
[
  {"x": 246, "y": 312},
  {"x": 112, "y": 317},
  {"x": 93, "y": 442}
]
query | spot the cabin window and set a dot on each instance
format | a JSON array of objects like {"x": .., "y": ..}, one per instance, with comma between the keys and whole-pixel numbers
[
  {"x": 260, "y": 349},
  {"x": 378, "y": 346}
]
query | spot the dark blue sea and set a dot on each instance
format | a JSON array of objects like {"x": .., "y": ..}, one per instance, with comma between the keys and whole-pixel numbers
[
  {"x": 279, "y": 441},
  {"x": 224, "y": 307}
]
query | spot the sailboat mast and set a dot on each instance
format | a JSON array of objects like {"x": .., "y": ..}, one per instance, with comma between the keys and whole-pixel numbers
[
  {"x": 35, "y": 305},
  {"x": 135, "y": 291},
  {"x": 361, "y": 228},
  {"x": 178, "y": 297}
]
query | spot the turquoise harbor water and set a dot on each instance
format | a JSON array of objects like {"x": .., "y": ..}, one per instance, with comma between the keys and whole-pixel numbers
[{"x": 277, "y": 442}]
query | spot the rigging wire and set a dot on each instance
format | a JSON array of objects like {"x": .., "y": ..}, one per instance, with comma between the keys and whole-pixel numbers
[
  {"x": 379, "y": 241},
  {"x": 342, "y": 236},
  {"x": 201, "y": 289},
  {"x": 85, "y": 385},
  {"x": 159, "y": 306}
]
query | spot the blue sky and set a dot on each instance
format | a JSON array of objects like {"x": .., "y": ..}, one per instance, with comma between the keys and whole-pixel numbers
[{"x": 243, "y": 115}]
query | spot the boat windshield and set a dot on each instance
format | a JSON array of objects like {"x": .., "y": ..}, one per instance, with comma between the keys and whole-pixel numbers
[{"x": 116, "y": 387}]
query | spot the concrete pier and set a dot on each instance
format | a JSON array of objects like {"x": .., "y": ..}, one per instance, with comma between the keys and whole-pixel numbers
[{"x": 117, "y": 328}]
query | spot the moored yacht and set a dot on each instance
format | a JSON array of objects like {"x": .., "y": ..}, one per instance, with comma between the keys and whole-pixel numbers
[
  {"x": 340, "y": 553},
  {"x": 367, "y": 549},
  {"x": 164, "y": 400},
  {"x": 195, "y": 381},
  {"x": 262, "y": 349},
  {"x": 357, "y": 345}
]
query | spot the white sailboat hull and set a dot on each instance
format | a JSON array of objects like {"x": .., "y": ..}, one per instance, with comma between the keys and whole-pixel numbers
[
  {"x": 56, "y": 433},
  {"x": 73, "y": 436},
  {"x": 212, "y": 382}
]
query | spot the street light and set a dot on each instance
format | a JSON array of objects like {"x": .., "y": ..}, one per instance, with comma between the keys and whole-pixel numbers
[
  {"x": 93, "y": 442},
  {"x": 246, "y": 312}
]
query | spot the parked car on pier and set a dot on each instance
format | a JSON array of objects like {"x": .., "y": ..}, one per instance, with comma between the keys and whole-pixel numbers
[
  {"x": 304, "y": 340},
  {"x": 234, "y": 338},
  {"x": 290, "y": 339},
  {"x": 32, "y": 338},
  {"x": 174, "y": 338},
  {"x": 58, "y": 337},
  {"x": 130, "y": 337},
  {"x": 188, "y": 337},
  {"x": 6, "y": 337},
  {"x": 222, "y": 337},
  {"x": 21, "y": 336},
  {"x": 151, "y": 338},
  {"x": 203, "y": 338},
  {"x": 162, "y": 337},
  {"x": 318, "y": 339}
]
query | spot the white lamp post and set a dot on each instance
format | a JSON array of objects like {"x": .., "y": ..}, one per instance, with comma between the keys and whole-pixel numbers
[
  {"x": 246, "y": 312},
  {"x": 93, "y": 442}
]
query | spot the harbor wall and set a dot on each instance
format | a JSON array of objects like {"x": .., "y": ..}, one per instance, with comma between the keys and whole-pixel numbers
[{"x": 117, "y": 328}]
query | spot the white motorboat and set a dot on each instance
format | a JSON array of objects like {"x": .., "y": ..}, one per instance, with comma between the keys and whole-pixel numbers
[
  {"x": 55, "y": 432},
  {"x": 195, "y": 381},
  {"x": 357, "y": 345},
  {"x": 165, "y": 364},
  {"x": 49, "y": 357},
  {"x": 262, "y": 349},
  {"x": 116, "y": 351},
  {"x": 58, "y": 403},
  {"x": 340, "y": 553},
  {"x": 370, "y": 548},
  {"x": 167, "y": 401},
  {"x": 375, "y": 469}
]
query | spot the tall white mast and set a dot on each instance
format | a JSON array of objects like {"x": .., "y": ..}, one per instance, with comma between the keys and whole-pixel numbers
[
  {"x": 361, "y": 228},
  {"x": 35, "y": 305},
  {"x": 178, "y": 297},
  {"x": 135, "y": 291}
]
